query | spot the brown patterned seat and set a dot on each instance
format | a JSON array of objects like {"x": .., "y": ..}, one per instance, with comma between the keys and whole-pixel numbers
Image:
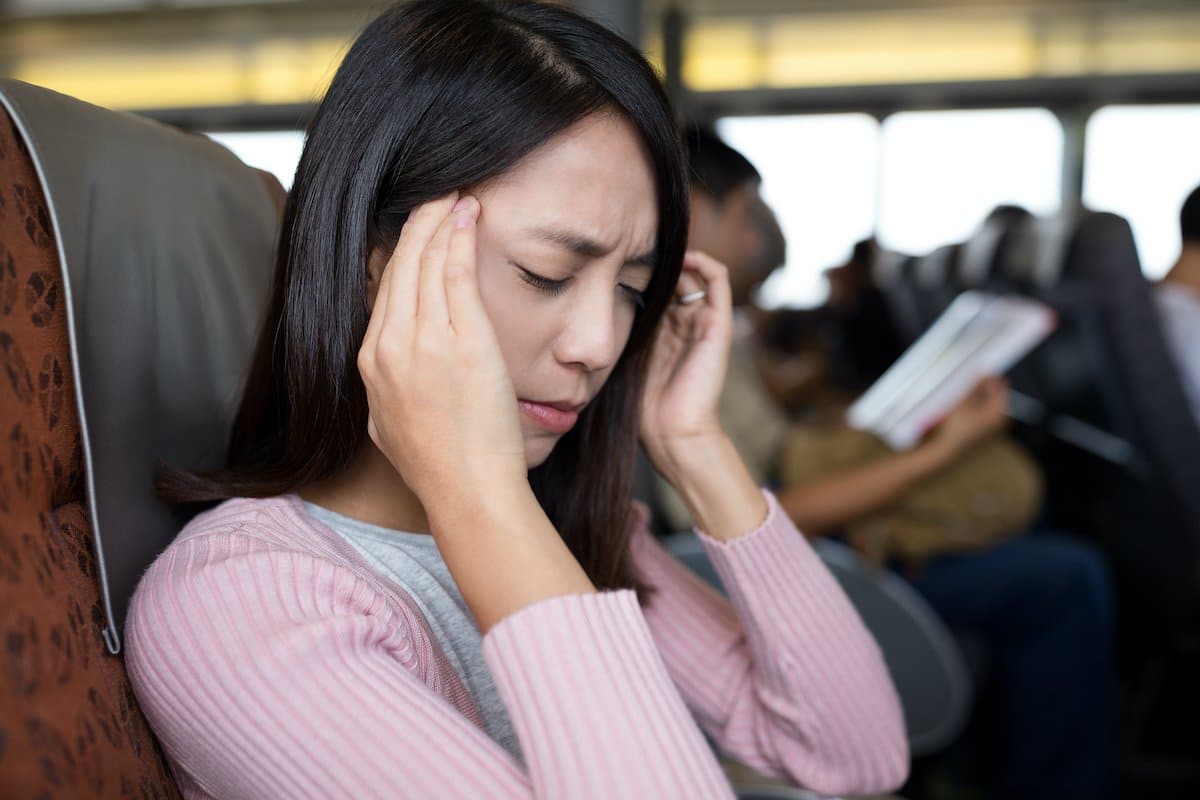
[{"x": 70, "y": 726}]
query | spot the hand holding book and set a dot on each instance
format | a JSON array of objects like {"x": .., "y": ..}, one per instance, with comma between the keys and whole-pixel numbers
[
  {"x": 983, "y": 412},
  {"x": 979, "y": 335}
]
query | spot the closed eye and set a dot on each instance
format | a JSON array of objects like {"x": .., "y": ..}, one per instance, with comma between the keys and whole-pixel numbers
[
  {"x": 557, "y": 287},
  {"x": 541, "y": 282},
  {"x": 639, "y": 298}
]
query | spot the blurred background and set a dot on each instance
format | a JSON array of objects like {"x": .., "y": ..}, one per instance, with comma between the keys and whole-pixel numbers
[{"x": 909, "y": 119}]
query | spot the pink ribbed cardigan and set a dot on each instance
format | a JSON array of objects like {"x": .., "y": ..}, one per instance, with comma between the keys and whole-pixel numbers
[{"x": 272, "y": 662}]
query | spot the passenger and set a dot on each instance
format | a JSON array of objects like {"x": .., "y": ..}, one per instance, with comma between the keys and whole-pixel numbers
[
  {"x": 731, "y": 222},
  {"x": 867, "y": 340},
  {"x": 1043, "y": 602},
  {"x": 1178, "y": 298},
  {"x": 426, "y": 576}
]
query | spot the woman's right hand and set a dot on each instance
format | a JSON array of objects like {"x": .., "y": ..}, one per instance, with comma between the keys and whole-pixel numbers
[
  {"x": 982, "y": 413},
  {"x": 442, "y": 405}
]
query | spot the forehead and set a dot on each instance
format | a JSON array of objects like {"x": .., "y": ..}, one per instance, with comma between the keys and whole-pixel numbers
[{"x": 593, "y": 179}]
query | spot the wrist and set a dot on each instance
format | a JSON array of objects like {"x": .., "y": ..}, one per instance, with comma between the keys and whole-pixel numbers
[
  {"x": 941, "y": 451},
  {"x": 469, "y": 503},
  {"x": 678, "y": 458},
  {"x": 712, "y": 479},
  {"x": 503, "y": 552}
]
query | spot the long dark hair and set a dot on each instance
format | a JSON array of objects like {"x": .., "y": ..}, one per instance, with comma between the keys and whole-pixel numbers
[{"x": 434, "y": 96}]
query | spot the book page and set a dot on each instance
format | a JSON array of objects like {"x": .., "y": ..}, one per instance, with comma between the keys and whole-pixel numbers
[{"x": 980, "y": 334}]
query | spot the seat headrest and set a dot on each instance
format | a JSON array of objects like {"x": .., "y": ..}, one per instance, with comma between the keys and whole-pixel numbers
[
  {"x": 166, "y": 241},
  {"x": 977, "y": 257},
  {"x": 935, "y": 269},
  {"x": 891, "y": 267},
  {"x": 1037, "y": 249}
]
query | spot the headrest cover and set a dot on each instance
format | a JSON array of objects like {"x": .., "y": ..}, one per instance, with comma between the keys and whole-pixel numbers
[
  {"x": 975, "y": 260},
  {"x": 166, "y": 243}
]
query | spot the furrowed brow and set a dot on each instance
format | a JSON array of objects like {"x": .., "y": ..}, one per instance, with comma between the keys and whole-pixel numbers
[{"x": 583, "y": 246}]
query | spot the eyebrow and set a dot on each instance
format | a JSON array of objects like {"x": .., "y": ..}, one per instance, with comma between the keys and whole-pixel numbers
[{"x": 588, "y": 248}]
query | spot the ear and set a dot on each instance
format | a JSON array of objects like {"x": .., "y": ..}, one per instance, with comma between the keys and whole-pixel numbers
[
  {"x": 703, "y": 205},
  {"x": 376, "y": 262}
]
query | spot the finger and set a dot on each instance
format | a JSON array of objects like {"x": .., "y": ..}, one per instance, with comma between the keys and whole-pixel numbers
[
  {"x": 689, "y": 283},
  {"x": 462, "y": 289},
  {"x": 990, "y": 385},
  {"x": 405, "y": 263},
  {"x": 714, "y": 275},
  {"x": 431, "y": 305}
]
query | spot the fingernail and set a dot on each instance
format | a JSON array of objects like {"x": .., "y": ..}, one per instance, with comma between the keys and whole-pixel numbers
[
  {"x": 463, "y": 204},
  {"x": 463, "y": 219}
]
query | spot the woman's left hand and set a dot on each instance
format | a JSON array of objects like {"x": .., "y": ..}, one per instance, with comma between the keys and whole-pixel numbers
[
  {"x": 680, "y": 427},
  {"x": 688, "y": 363}
]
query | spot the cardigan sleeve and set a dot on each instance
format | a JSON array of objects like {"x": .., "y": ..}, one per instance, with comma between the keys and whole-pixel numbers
[
  {"x": 269, "y": 673},
  {"x": 783, "y": 675}
]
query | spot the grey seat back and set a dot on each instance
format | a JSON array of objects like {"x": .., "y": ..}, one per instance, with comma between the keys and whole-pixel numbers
[
  {"x": 166, "y": 242},
  {"x": 898, "y": 283},
  {"x": 936, "y": 278},
  {"x": 977, "y": 256},
  {"x": 1148, "y": 402}
]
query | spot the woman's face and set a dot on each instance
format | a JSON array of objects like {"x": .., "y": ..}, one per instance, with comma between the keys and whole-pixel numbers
[{"x": 565, "y": 246}]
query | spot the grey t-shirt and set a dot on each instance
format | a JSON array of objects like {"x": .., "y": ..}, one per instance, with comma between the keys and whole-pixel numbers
[
  {"x": 1179, "y": 309},
  {"x": 413, "y": 561}
]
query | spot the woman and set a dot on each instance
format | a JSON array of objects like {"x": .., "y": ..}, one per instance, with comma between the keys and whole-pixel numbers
[{"x": 431, "y": 580}]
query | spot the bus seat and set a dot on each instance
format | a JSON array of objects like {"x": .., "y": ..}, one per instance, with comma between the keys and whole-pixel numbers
[
  {"x": 134, "y": 265},
  {"x": 1034, "y": 252},
  {"x": 977, "y": 256},
  {"x": 1108, "y": 365},
  {"x": 936, "y": 282},
  {"x": 900, "y": 291},
  {"x": 1149, "y": 408},
  {"x": 166, "y": 242},
  {"x": 69, "y": 722}
]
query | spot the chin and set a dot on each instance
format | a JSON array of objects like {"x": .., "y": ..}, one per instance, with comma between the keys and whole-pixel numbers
[{"x": 538, "y": 449}]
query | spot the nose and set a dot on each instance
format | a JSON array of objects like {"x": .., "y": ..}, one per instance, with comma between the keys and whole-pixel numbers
[{"x": 589, "y": 335}]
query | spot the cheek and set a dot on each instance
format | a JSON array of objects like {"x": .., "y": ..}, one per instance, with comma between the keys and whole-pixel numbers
[
  {"x": 503, "y": 305},
  {"x": 524, "y": 326},
  {"x": 624, "y": 322}
]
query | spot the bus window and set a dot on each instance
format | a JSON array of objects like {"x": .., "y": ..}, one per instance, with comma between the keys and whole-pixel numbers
[
  {"x": 941, "y": 172},
  {"x": 277, "y": 152},
  {"x": 1141, "y": 162}
]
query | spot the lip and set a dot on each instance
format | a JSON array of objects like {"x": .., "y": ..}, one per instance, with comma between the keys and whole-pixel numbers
[{"x": 554, "y": 417}]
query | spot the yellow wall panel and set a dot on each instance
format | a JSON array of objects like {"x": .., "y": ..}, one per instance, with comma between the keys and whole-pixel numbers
[
  {"x": 272, "y": 71},
  {"x": 896, "y": 49},
  {"x": 722, "y": 55},
  {"x": 253, "y": 63},
  {"x": 140, "y": 81}
]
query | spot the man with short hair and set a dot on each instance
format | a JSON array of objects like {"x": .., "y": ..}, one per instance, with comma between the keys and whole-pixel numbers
[
  {"x": 731, "y": 222},
  {"x": 1178, "y": 297}
]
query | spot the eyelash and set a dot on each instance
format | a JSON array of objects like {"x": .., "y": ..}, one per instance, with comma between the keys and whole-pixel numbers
[
  {"x": 543, "y": 283},
  {"x": 556, "y": 288}
]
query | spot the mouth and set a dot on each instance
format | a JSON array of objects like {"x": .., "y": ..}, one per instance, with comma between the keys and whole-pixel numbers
[{"x": 555, "y": 417}]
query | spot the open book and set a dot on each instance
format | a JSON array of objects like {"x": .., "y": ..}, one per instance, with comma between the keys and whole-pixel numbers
[{"x": 980, "y": 334}]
